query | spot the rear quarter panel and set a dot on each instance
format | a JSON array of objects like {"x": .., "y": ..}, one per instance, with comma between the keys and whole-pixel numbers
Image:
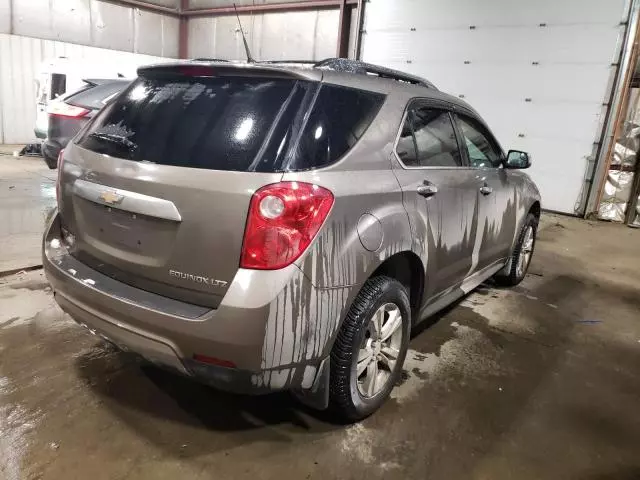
[
  {"x": 363, "y": 184},
  {"x": 367, "y": 210}
]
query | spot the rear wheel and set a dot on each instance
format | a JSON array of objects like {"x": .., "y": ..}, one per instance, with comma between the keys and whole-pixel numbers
[
  {"x": 522, "y": 253},
  {"x": 370, "y": 349},
  {"x": 52, "y": 163}
]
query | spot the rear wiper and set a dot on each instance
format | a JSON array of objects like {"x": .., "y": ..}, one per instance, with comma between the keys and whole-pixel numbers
[{"x": 113, "y": 138}]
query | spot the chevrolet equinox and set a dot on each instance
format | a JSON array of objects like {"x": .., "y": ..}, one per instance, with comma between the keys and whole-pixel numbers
[{"x": 283, "y": 226}]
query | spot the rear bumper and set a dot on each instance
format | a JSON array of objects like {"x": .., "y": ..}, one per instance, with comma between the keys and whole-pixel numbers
[
  {"x": 50, "y": 150},
  {"x": 276, "y": 340}
]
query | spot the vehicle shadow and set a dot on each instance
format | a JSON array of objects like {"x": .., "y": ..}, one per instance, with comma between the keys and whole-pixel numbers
[{"x": 173, "y": 411}]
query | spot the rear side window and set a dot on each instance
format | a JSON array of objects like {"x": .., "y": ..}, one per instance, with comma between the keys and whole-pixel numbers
[
  {"x": 338, "y": 119},
  {"x": 428, "y": 139},
  {"x": 230, "y": 123}
]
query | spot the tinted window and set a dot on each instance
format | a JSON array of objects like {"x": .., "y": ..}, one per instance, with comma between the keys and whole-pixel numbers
[
  {"x": 338, "y": 119},
  {"x": 231, "y": 123},
  {"x": 433, "y": 137},
  {"x": 58, "y": 85},
  {"x": 483, "y": 153},
  {"x": 97, "y": 96},
  {"x": 217, "y": 123}
]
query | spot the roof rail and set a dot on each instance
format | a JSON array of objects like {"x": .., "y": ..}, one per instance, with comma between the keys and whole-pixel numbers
[
  {"x": 363, "y": 68},
  {"x": 207, "y": 59},
  {"x": 309, "y": 62}
]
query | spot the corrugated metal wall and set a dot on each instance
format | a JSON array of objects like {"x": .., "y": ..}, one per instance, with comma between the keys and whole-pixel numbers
[
  {"x": 539, "y": 72},
  {"x": 94, "y": 23},
  {"x": 301, "y": 35},
  {"x": 20, "y": 59},
  {"x": 74, "y": 28},
  {"x": 91, "y": 30}
]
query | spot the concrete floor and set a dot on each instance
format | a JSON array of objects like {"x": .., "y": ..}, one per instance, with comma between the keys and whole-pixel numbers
[
  {"x": 541, "y": 381},
  {"x": 27, "y": 194}
]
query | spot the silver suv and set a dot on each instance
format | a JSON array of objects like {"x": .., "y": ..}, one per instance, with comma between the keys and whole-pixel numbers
[{"x": 271, "y": 226}]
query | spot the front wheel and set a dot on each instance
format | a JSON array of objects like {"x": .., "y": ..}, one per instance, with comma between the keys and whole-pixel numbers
[
  {"x": 367, "y": 357},
  {"x": 520, "y": 259}
]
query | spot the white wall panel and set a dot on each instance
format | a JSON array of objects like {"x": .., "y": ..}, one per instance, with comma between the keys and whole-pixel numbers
[
  {"x": 95, "y": 23},
  {"x": 326, "y": 34},
  {"x": 399, "y": 14},
  {"x": 540, "y": 87},
  {"x": 76, "y": 31},
  {"x": 20, "y": 60},
  {"x": 201, "y": 34},
  {"x": 5, "y": 16},
  {"x": 32, "y": 17},
  {"x": 155, "y": 34},
  {"x": 303, "y": 35},
  {"x": 112, "y": 26}
]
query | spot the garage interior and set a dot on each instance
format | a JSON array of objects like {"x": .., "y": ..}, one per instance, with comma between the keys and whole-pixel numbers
[{"x": 538, "y": 381}]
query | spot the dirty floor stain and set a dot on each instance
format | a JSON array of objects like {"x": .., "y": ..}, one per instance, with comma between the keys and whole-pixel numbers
[{"x": 508, "y": 383}]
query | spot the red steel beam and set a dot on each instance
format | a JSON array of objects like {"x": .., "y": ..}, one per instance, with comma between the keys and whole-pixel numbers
[
  {"x": 270, "y": 7},
  {"x": 146, "y": 6},
  {"x": 344, "y": 20},
  {"x": 183, "y": 31},
  {"x": 359, "y": 26}
]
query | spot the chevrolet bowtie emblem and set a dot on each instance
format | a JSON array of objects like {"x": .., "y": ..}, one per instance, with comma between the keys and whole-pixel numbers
[{"x": 112, "y": 198}]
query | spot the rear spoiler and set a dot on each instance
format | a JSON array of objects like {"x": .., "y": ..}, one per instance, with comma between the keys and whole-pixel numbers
[
  {"x": 228, "y": 69},
  {"x": 102, "y": 81}
]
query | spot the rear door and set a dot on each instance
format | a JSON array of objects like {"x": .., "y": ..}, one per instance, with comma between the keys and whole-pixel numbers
[
  {"x": 496, "y": 201},
  {"x": 440, "y": 194},
  {"x": 157, "y": 188}
]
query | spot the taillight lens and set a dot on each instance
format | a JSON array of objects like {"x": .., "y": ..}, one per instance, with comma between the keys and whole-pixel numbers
[
  {"x": 58, "y": 185},
  {"x": 283, "y": 220},
  {"x": 62, "y": 109}
]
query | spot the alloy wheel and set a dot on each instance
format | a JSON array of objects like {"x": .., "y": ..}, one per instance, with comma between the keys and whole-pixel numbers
[
  {"x": 379, "y": 350},
  {"x": 525, "y": 252}
]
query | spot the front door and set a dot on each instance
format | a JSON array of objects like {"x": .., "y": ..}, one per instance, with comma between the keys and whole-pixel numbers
[
  {"x": 440, "y": 194},
  {"x": 497, "y": 214}
]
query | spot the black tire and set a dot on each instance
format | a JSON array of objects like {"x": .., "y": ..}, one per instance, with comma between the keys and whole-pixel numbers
[
  {"x": 345, "y": 399},
  {"x": 51, "y": 163},
  {"x": 513, "y": 277}
]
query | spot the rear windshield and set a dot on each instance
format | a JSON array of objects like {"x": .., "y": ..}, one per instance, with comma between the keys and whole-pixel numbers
[
  {"x": 97, "y": 96},
  {"x": 232, "y": 123}
]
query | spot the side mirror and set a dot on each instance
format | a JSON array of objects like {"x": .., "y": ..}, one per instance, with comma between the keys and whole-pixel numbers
[{"x": 517, "y": 160}]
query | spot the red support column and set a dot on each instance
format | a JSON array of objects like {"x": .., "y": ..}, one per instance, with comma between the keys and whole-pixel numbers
[
  {"x": 343, "y": 30},
  {"x": 183, "y": 31}
]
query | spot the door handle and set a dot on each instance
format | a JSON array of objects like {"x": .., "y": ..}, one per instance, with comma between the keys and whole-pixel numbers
[
  {"x": 427, "y": 190},
  {"x": 486, "y": 190}
]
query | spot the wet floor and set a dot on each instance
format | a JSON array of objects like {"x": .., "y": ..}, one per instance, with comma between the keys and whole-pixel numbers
[
  {"x": 27, "y": 195},
  {"x": 541, "y": 381}
]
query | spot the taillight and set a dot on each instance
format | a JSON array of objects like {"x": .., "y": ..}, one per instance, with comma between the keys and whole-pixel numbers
[
  {"x": 62, "y": 109},
  {"x": 283, "y": 219},
  {"x": 58, "y": 185}
]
